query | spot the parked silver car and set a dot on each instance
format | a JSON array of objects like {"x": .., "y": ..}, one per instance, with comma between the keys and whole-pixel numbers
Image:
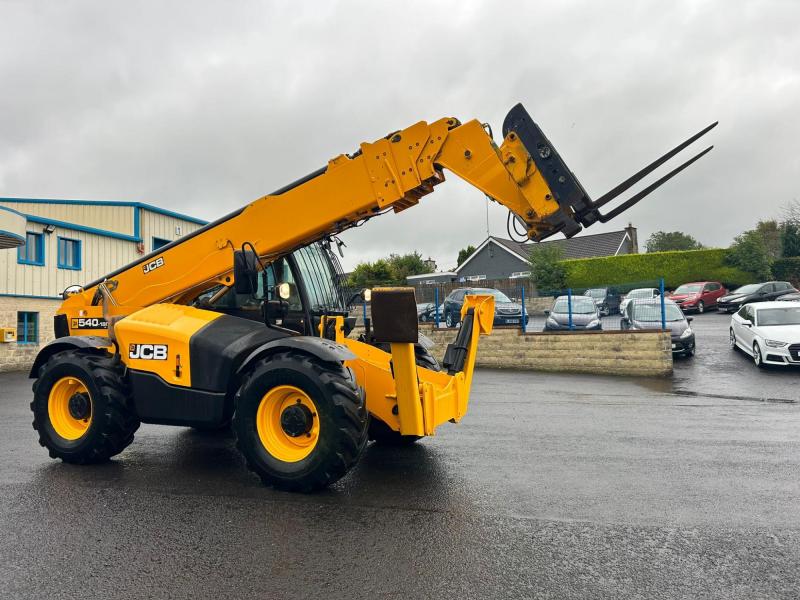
[{"x": 584, "y": 310}]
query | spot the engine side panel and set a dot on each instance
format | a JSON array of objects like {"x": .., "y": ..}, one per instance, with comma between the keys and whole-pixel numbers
[{"x": 156, "y": 339}]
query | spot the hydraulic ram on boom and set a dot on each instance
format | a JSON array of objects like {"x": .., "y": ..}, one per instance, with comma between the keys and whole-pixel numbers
[{"x": 244, "y": 318}]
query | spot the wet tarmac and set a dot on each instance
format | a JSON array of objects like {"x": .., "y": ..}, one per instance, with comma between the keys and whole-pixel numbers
[{"x": 553, "y": 486}]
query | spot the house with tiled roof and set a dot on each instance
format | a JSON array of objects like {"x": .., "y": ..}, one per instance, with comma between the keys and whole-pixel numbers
[{"x": 499, "y": 258}]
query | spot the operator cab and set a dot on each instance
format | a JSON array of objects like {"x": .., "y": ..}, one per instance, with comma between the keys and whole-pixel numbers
[{"x": 314, "y": 284}]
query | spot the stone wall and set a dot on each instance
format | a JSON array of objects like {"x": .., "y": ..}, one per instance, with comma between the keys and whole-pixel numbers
[
  {"x": 19, "y": 357},
  {"x": 642, "y": 353}
]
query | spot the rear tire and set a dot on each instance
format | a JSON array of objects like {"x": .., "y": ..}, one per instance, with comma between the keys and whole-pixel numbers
[
  {"x": 335, "y": 413},
  {"x": 82, "y": 407},
  {"x": 380, "y": 432}
]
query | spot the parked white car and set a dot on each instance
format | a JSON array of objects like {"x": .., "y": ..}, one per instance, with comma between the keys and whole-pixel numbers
[
  {"x": 768, "y": 331},
  {"x": 638, "y": 294}
]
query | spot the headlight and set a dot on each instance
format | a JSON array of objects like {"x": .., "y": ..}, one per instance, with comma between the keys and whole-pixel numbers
[
  {"x": 592, "y": 323},
  {"x": 775, "y": 343},
  {"x": 687, "y": 332},
  {"x": 552, "y": 321}
]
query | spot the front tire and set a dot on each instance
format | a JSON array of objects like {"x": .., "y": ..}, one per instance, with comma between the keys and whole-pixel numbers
[
  {"x": 82, "y": 407},
  {"x": 449, "y": 320},
  {"x": 758, "y": 359},
  {"x": 300, "y": 423},
  {"x": 732, "y": 341},
  {"x": 701, "y": 307}
]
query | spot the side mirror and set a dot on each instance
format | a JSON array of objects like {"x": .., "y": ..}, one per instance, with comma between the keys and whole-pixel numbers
[
  {"x": 245, "y": 272},
  {"x": 547, "y": 313},
  {"x": 689, "y": 319},
  {"x": 71, "y": 291},
  {"x": 747, "y": 323}
]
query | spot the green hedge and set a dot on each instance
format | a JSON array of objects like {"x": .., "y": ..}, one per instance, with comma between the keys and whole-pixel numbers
[
  {"x": 675, "y": 267},
  {"x": 787, "y": 269}
]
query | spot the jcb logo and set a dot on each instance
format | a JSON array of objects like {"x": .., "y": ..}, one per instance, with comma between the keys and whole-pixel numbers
[
  {"x": 153, "y": 264},
  {"x": 148, "y": 351},
  {"x": 88, "y": 323}
]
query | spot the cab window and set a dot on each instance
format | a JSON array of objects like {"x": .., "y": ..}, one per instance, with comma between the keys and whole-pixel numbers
[{"x": 319, "y": 278}]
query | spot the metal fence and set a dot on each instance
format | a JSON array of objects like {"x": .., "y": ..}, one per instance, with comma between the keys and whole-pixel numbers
[{"x": 571, "y": 309}]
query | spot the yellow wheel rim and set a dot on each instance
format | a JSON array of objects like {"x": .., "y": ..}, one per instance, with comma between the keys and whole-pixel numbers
[
  {"x": 287, "y": 423},
  {"x": 69, "y": 407}
]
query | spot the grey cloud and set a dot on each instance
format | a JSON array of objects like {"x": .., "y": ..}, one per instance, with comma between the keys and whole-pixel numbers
[{"x": 203, "y": 106}]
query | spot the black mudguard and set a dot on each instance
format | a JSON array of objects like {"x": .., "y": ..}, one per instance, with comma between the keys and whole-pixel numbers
[
  {"x": 70, "y": 342},
  {"x": 322, "y": 348}
]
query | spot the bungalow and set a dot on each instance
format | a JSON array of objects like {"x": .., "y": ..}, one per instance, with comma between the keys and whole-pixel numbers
[{"x": 499, "y": 258}]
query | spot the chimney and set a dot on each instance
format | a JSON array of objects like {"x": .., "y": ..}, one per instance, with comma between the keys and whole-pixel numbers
[{"x": 634, "y": 244}]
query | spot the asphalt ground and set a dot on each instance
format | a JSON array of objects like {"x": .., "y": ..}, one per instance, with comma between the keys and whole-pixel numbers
[{"x": 553, "y": 486}]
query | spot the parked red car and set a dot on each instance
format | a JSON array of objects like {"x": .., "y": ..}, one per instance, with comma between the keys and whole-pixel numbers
[{"x": 699, "y": 295}]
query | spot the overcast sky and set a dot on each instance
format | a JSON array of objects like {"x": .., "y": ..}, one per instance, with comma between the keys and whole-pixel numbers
[{"x": 201, "y": 107}]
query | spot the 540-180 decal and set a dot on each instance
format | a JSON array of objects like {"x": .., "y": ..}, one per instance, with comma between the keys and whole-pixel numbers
[{"x": 88, "y": 323}]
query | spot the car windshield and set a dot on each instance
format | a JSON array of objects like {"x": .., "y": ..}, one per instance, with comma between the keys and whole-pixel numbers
[
  {"x": 651, "y": 312},
  {"x": 689, "y": 288},
  {"x": 498, "y": 295},
  {"x": 642, "y": 293},
  {"x": 596, "y": 293},
  {"x": 580, "y": 306},
  {"x": 778, "y": 316},
  {"x": 748, "y": 289}
]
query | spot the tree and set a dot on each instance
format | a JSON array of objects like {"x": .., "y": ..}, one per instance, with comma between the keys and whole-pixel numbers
[
  {"x": 387, "y": 271},
  {"x": 664, "y": 241},
  {"x": 464, "y": 254},
  {"x": 547, "y": 271},
  {"x": 791, "y": 211},
  {"x": 403, "y": 265},
  {"x": 790, "y": 239},
  {"x": 368, "y": 275},
  {"x": 750, "y": 253},
  {"x": 770, "y": 231}
]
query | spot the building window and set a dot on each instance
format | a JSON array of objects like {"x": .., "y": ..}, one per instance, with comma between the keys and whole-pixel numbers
[
  {"x": 476, "y": 277},
  {"x": 32, "y": 253},
  {"x": 69, "y": 254},
  {"x": 27, "y": 328},
  {"x": 159, "y": 243}
]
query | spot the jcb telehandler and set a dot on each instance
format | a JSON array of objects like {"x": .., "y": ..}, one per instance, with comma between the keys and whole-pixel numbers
[{"x": 245, "y": 320}]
